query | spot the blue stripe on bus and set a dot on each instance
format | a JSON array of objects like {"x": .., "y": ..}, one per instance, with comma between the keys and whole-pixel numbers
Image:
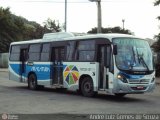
[
  {"x": 128, "y": 76},
  {"x": 42, "y": 71}
]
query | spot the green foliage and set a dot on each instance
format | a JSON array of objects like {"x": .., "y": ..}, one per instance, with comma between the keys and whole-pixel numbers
[
  {"x": 8, "y": 29},
  {"x": 110, "y": 30},
  {"x": 16, "y": 28},
  {"x": 52, "y": 26},
  {"x": 156, "y": 45},
  {"x": 157, "y": 2}
]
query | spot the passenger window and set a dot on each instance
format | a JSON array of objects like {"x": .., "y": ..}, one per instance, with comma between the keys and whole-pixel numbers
[
  {"x": 15, "y": 49},
  {"x": 86, "y": 45},
  {"x": 34, "y": 48},
  {"x": 34, "y": 52},
  {"x": 86, "y": 55},
  {"x": 15, "y": 53},
  {"x": 45, "y": 55},
  {"x": 46, "y": 47},
  {"x": 71, "y": 51},
  {"x": 86, "y": 50}
]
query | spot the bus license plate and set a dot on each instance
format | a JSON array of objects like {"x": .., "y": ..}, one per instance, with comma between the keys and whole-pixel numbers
[{"x": 140, "y": 87}]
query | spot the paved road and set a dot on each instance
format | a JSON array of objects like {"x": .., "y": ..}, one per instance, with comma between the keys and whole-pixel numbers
[{"x": 15, "y": 98}]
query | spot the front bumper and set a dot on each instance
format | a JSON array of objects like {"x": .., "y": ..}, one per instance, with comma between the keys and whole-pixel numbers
[{"x": 133, "y": 88}]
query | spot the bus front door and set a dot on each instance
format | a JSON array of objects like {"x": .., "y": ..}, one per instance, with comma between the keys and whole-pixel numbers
[
  {"x": 22, "y": 70},
  {"x": 103, "y": 78},
  {"x": 57, "y": 58}
]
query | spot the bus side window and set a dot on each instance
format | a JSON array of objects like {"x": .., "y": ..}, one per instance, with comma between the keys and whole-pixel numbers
[
  {"x": 24, "y": 55},
  {"x": 70, "y": 54},
  {"x": 34, "y": 52},
  {"x": 85, "y": 55},
  {"x": 86, "y": 50},
  {"x": 45, "y": 54},
  {"x": 15, "y": 53}
]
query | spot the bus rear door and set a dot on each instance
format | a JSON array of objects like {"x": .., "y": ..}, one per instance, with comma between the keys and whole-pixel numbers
[
  {"x": 57, "y": 70},
  {"x": 23, "y": 58}
]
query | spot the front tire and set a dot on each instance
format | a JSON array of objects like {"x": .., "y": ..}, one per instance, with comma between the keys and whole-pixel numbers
[
  {"x": 32, "y": 82},
  {"x": 87, "y": 87}
]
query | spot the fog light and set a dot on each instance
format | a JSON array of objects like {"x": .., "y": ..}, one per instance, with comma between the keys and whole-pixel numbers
[{"x": 153, "y": 79}]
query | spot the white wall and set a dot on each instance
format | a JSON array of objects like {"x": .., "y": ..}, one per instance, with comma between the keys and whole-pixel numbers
[{"x": 4, "y": 60}]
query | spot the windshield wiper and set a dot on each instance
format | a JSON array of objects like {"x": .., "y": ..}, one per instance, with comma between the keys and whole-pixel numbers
[
  {"x": 143, "y": 62},
  {"x": 134, "y": 57}
]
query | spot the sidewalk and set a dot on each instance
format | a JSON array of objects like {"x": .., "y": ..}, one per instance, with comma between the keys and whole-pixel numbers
[
  {"x": 158, "y": 80},
  {"x": 6, "y": 70}
]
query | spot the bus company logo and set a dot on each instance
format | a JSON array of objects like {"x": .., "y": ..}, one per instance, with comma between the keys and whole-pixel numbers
[
  {"x": 71, "y": 74},
  {"x": 4, "y": 116}
]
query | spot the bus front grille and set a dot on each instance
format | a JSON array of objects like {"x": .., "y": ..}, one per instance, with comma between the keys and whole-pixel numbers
[{"x": 141, "y": 81}]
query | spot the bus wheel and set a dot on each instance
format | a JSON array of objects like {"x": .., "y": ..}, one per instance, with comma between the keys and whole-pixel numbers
[
  {"x": 32, "y": 82},
  {"x": 87, "y": 87},
  {"x": 120, "y": 94}
]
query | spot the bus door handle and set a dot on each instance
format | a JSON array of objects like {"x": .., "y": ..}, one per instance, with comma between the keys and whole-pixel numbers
[{"x": 55, "y": 62}]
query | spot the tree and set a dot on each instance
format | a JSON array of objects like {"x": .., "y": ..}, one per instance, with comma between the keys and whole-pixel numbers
[
  {"x": 16, "y": 28},
  {"x": 33, "y": 30},
  {"x": 9, "y": 29},
  {"x": 52, "y": 25},
  {"x": 156, "y": 45},
  {"x": 157, "y": 2},
  {"x": 111, "y": 30}
]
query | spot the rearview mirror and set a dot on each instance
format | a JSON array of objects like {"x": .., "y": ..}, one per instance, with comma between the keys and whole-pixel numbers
[{"x": 115, "y": 49}]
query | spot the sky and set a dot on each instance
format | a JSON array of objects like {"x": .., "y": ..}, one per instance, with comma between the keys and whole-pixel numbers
[{"x": 139, "y": 15}]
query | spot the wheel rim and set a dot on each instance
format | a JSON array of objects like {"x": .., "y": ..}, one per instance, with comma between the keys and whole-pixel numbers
[{"x": 87, "y": 87}]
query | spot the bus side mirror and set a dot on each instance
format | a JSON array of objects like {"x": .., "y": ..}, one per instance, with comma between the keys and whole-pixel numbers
[{"x": 115, "y": 49}]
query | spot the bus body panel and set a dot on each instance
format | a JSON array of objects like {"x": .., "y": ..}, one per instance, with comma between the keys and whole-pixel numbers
[
  {"x": 72, "y": 71},
  {"x": 42, "y": 71},
  {"x": 67, "y": 74},
  {"x": 14, "y": 71}
]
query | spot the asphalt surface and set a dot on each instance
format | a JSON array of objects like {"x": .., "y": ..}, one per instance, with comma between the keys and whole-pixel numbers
[{"x": 46, "y": 104}]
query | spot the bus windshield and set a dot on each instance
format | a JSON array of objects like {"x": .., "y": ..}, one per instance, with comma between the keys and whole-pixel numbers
[{"x": 133, "y": 54}]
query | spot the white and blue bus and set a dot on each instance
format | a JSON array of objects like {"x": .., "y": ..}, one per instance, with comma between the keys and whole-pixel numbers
[{"x": 113, "y": 63}]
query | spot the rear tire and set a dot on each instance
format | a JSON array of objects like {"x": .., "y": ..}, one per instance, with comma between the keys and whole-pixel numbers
[
  {"x": 87, "y": 88},
  {"x": 32, "y": 82}
]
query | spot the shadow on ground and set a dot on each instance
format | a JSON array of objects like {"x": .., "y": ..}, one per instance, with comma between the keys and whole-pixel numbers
[{"x": 112, "y": 98}]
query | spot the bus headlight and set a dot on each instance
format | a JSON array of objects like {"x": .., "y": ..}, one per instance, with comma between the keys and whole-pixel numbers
[{"x": 122, "y": 78}]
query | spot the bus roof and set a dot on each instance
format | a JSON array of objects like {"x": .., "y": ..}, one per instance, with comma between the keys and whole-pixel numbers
[{"x": 89, "y": 36}]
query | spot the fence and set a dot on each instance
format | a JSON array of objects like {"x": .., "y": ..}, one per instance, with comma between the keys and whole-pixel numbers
[{"x": 4, "y": 60}]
